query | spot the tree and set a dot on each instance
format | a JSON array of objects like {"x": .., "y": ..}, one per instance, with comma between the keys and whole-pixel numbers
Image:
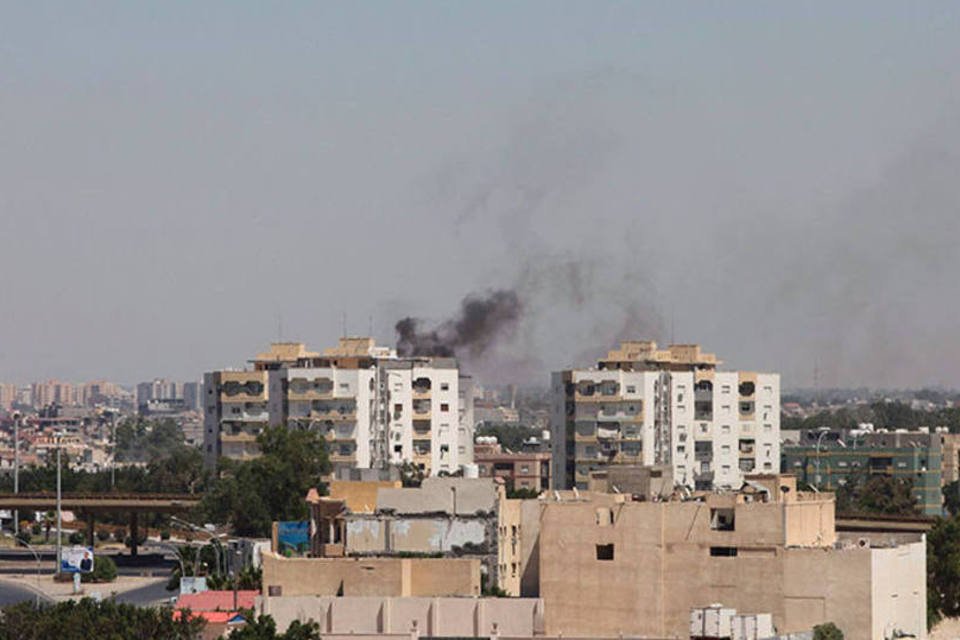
[
  {"x": 104, "y": 570},
  {"x": 251, "y": 495},
  {"x": 943, "y": 569},
  {"x": 264, "y": 628},
  {"x": 864, "y": 493},
  {"x": 827, "y": 631},
  {"x": 951, "y": 497},
  {"x": 108, "y": 620}
]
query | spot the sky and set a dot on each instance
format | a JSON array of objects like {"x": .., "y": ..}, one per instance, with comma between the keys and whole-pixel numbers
[{"x": 182, "y": 183}]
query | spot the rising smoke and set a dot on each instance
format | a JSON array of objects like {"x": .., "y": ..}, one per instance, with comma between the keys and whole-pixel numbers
[{"x": 482, "y": 320}]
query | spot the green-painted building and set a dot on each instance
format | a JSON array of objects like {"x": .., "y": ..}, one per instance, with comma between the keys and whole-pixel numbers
[{"x": 913, "y": 455}]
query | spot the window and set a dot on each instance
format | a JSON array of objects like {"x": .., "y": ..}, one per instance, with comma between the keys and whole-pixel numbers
[
  {"x": 723, "y": 552},
  {"x": 604, "y": 552},
  {"x": 725, "y": 429},
  {"x": 722, "y": 519},
  {"x": 444, "y": 386},
  {"x": 344, "y": 385},
  {"x": 444, "y": 406},
  {"x": 631, "y": 388},
  {"x": 725, "y": 388}
]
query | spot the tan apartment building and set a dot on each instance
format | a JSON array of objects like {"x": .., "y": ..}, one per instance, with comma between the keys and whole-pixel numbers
[
  {"x": 611, "y": 566},
  {"x": 649, "y": 406},
  {"x": 526, "y": 470}
]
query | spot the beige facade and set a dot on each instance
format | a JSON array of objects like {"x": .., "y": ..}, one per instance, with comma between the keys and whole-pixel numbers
[
  {"x": 950, "y": 457},
  {"x": 378, "y": 617},
  {"x": 383, "y": 577},
  {"x": 609, "y": 565}
]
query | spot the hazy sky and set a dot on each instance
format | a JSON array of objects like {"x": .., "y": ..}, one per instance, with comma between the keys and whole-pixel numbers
[{"x": 777, "y": 181}]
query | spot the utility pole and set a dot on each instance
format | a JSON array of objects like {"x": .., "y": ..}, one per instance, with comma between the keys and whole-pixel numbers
[
  {"x": 16, "y": 469},
  {"x": 59, "y": 509},
  {"x": 113, "y": 452}
]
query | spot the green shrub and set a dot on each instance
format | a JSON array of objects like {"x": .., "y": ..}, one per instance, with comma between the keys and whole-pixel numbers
[
  {"x": 103, "y": 535},
  {"x": 164, "y": 534},
  {"x": 827, "y": 631},
  {"x": 104, "y": 570},
  {"x": 36, "y": 528},
  {"x": 75, "y": 538}
]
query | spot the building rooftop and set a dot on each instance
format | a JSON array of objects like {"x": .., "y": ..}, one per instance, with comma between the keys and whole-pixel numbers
[
  {"x": 646, "y": 354},
  {"x": 439, "y": 495},
  {"x": 284, "y": 352}
]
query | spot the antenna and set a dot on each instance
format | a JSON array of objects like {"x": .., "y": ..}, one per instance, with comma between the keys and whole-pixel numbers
[{"x": 343, "y": 323}]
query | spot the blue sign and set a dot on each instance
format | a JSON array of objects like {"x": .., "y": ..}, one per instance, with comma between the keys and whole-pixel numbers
[
  {"x": 293, "y": 538},
  {"x": 76, "y": 560}
]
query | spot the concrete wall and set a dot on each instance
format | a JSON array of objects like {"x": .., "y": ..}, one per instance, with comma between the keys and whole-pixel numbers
[
  {"x": 447, "y": 617},
  {"x": 899, "y": 590},
  {"x": 361, "y": 497},
  {"x": 414, "y": 535},
  {"x": 371, "y": 577}
]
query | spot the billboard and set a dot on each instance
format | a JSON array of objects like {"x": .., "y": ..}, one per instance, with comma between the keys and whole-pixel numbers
[
  {"x": 293, "y": 538},
  {"x": 76, "y": 560}
]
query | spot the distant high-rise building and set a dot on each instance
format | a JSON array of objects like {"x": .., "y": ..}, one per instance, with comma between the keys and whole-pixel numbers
[
  {"x": 374, "y": 408},
  {"x": 643, "y": 405},
  {"x": 159, "y": 389},
  {"x": 53, "y": 392},
  {"x": 193, "y": 395},
  {"x": 8, "y": 396}
]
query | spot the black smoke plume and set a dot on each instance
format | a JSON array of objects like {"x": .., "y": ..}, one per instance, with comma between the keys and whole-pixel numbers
[{"x": 482, "y": 320}]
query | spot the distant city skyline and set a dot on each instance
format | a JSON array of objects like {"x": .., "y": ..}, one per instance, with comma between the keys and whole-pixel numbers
[{"x": 776, "y": 182}]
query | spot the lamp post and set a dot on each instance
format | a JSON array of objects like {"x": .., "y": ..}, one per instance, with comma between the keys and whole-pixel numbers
[
  {"x": 36, "y": 556},
  {"x": 16, "y": 469},
  {"x": 57, "y": 439},
  {"x": 213, "y": 538},
  {"x": 823, "y": 431}
]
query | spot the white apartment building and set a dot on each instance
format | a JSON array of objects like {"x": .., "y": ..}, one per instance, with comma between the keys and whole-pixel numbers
[
  {"x": 374, "y": 408},
  {"x": 643, "y": 405}
]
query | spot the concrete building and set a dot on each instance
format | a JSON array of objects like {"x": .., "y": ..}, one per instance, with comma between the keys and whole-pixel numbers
[
  {"x": 448, "y": 517},
  {"x": 374, "y": 408},
  {"x": 644, "y": 405},
  {"x": 378, "y": 409},
  {"x": 380, "y": 618},
  {"x": 380, "y": 577},
  {"x": 611, "y": 566},
  {"x": 828, "y": 459},
  {"x": 8, "y": 396},
  {"x": 530, "y": 471}
]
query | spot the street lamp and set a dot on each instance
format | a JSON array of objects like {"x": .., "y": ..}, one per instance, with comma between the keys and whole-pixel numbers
[
  {"x": 221, "y": 569},
  {"x": 823, "y": 431},
  {"x": 36, "y": 556},
  {"x": 16, "y": 469},
  {"x": 58, "y": 437}
]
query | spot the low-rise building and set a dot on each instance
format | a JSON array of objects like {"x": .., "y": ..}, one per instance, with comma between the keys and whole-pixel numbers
[
  {"x": 829, "y": 459},
  {"x": 523, "y": 471},
  {"x": 381, "y": 577},
  {"x": 611, "y": 566},
  {"x": 371, "y": 618},
  {"x": 444, "y": 517}
]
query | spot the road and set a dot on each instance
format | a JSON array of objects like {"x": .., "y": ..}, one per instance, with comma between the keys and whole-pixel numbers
[
  {"x": 11, "y": 593},
  {"x": 150, "y": 595}
]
